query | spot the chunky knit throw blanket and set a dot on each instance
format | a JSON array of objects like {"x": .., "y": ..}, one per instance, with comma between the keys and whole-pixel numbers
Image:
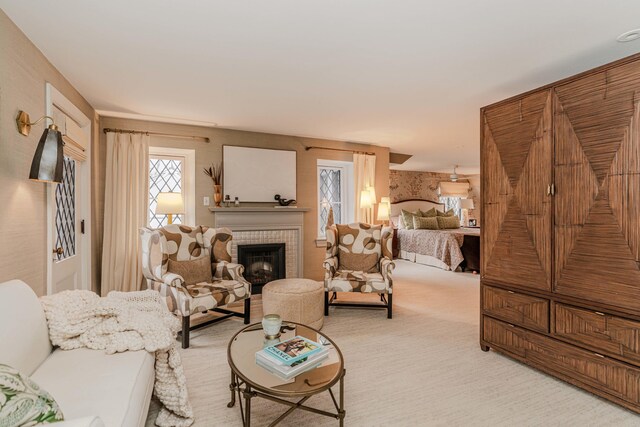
[{"x": 125, "y": 321}]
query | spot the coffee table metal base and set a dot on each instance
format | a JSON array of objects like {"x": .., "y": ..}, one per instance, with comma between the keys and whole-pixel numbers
[{"x": 244, "y": 391}]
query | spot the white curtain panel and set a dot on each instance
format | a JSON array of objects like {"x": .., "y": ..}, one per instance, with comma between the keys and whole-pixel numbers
[
  {"x": 364, "y": 171},
  {"x": 125, "y": 210}
]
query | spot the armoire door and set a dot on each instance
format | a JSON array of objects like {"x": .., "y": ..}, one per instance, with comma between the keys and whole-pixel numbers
[
  {"x": 597, "y": 177},
  {"x": 517, "y": 149}
]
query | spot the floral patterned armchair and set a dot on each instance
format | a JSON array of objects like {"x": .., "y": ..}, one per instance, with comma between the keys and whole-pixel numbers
[
  {"x": 177, "y": 242},
  {"x": 359, "y": 259}
]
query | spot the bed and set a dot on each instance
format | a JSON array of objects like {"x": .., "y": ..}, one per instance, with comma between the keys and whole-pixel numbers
[{"x": 437, "y": 248}]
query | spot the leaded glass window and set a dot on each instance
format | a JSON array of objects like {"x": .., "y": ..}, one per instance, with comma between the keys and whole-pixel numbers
[
  {"x": 66, "y": 210},
  {"x": 331, "y": 194},
  {"x": 165, "y": 176},
  {"x": 452, "y": 203}
]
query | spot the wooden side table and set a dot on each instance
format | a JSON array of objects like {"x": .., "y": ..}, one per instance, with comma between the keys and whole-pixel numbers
[{"x": 471, "y": 252}]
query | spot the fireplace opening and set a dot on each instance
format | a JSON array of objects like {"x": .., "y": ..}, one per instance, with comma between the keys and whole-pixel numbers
[{"x": 263, "y": 263}]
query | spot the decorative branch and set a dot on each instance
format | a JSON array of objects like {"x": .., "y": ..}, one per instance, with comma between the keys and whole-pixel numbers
[{"x": 215, "y": 173}]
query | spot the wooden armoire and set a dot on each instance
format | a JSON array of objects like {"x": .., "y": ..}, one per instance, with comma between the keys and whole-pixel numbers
[{"x": 560, "y": 282}]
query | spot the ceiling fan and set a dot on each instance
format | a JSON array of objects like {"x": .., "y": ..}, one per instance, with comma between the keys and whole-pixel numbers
[{"x": 454, "y": 176}]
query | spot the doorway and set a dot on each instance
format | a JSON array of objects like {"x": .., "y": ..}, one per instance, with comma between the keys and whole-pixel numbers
[{"x": 68, "y": 203}]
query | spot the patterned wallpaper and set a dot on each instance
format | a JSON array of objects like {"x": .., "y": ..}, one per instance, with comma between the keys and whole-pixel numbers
[{"x": 424, "y": 185}]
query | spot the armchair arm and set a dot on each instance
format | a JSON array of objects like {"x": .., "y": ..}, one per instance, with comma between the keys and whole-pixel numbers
[
  {"x": 386, "y": 268},
  {"x": 330, "y": 267},
  {"x": 172, "y": 279},
  {"x": 226, "y": 270}
]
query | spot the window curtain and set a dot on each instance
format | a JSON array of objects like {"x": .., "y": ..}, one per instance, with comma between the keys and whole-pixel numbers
[
  {"x": 364, "y": 171},
  {"x": 125, "y": 208}
]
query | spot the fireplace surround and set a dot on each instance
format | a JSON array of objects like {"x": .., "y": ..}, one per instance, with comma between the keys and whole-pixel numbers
[{"x": 252, "y": 225}]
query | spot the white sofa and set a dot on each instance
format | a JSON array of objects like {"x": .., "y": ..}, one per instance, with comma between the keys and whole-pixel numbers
[{"x": 92, "y": 388}]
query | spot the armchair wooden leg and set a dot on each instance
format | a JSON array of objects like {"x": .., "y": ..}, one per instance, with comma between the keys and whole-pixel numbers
[
  {"x": 186, "y": 325},
  {"x": 326, "y": 303},
  {"x": 389, "y": 306},
  {"x": 247, "y": 311}
]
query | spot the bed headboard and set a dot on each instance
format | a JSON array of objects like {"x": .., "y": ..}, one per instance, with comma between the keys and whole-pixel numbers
[{"x": 413, "y": 205}]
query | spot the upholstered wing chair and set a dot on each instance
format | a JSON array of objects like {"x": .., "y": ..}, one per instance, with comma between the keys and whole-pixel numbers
[
  {"x": 359, "y": 259},
  {"x": 177, "y": 243}
]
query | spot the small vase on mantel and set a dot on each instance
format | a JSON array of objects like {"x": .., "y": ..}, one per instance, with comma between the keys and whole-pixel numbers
[{"x": 217, "y": 195}]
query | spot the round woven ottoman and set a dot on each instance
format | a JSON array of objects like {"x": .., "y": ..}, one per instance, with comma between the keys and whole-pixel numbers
[{"x": 296, "y": 300}]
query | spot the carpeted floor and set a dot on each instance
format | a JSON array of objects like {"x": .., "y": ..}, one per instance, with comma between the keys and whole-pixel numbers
[{"x": 422, "y": 368}]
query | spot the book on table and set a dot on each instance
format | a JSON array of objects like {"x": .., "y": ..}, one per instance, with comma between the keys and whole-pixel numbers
[
  {"x": 266, "y": 361},
  {"x": 293, "y": 350}
]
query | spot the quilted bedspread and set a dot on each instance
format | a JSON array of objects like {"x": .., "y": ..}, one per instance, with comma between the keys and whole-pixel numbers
[{"x": 441, "y": 244}]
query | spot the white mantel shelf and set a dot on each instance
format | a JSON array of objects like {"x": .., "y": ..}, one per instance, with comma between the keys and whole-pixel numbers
[{"x": 257, "y": 209}]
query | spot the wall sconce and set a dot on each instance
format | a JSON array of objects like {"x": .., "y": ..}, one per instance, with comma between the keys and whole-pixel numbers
[{"x": 47, "y": 160}]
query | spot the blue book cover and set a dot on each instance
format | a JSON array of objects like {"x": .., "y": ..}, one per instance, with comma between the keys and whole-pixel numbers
[{"x": 293, "y": 350}]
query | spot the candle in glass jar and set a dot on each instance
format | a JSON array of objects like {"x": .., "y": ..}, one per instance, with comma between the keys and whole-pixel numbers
[{"x": 271, "y": 324}]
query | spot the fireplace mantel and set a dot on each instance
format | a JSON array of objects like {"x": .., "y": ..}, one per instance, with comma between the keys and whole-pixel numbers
[
  {"x": 266, "y": 224},
  {"x": 256, "y": 209}
]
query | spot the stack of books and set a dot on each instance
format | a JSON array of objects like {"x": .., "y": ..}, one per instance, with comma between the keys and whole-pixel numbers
[{"x": 292, "y": 357}]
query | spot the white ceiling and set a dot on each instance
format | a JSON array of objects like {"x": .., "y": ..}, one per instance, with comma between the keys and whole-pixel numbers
[{"x": 410, "y": 75}]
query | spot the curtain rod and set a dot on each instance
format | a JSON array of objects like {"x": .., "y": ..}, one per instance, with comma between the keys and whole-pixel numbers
[
  {"x": 171, "y": 135},
  {"x": 340, "y": 149}
]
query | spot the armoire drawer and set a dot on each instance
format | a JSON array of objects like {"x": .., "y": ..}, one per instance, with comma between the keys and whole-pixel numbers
[
  {"x": 517, "y": 308},
  {"x": 591, "y": 369},
  {"x": 611, "y": 334}
]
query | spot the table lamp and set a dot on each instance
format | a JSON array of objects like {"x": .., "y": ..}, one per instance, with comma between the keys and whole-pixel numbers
[
  {"x": 366, "y": 203},
  {"x": 170, "y": 204},
  {"x": 465, "y": 205},
  {"x": 383, "y": 212}
]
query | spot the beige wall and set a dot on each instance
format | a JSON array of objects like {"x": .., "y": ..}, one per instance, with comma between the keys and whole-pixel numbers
[
  {"x": 405, "y": 185},
  {"x": 23, "y": 230},
  {"x": 212, "y": 153}
]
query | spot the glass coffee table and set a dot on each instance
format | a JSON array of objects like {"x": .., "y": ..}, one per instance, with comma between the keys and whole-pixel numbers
[{"x": 249, "y": 380}]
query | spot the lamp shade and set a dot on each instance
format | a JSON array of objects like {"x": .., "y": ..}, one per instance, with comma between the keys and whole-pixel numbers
[
  {"x": 466, "y": 203},
  {"x": 453, "y": 189},
  {"x": 47, "y": 160},
  {"x": 385, "y": 199},
  {"x": 170, "y": 203},
  {"x": 365, "y": 199},
  {"x": 372, "y": 191},
  {"x": 383, "y": 212}
]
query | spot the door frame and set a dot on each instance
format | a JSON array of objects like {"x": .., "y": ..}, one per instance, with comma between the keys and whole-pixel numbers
[{"x": 83, "y": 190}]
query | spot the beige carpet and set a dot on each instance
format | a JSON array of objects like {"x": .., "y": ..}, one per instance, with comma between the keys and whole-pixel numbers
[{"x": 422, "y": 368}]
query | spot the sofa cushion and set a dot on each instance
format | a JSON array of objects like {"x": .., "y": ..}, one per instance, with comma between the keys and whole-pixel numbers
[
  {"x": 357, "y": 281},
  {"x": 24, "y": 337},
  {"x": 183, "y": 242},
  {"x": 23, "y": 402},
  {"x": 193, "y": 271},
  {"x": 367, "y": 263},
  {"x": 85, "y": 382}
]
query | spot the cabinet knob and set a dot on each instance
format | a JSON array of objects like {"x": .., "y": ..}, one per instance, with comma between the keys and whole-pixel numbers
[{"x": 58, "y": 251}]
